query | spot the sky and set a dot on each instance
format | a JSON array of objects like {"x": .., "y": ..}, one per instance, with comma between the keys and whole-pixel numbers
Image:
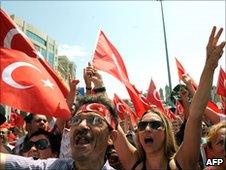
[{"x": 136, "y": 30}]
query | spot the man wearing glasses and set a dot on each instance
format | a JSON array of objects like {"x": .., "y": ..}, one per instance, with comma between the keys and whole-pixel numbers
[
  {"x": 90, "y": 134},
  {"x": 41, "y": 145}
]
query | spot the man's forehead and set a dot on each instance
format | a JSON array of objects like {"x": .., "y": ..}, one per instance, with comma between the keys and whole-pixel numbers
[
  {"x": 40, "y": 117},
  {"x": 89, "y": 113}
]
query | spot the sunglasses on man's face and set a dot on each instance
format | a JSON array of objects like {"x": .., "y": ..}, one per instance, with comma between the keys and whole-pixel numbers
[
  {"x": 152, "y": 124},
  {"x": 40, "y": 144}
]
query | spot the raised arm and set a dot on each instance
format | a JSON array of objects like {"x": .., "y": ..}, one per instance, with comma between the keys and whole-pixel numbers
[
  {"x": 187, "y": 157},
  {"x": 127, "y": 152},
  {"x": 211, "y": 115},
  {"x": 87, "y": 73},
  {"x": 70, "y": 100},
  {"x": 188, "y": 82}
]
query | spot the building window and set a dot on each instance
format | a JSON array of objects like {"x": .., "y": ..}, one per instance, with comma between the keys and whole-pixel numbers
[
  {"x": 37, "y": 47},
  {"x": 43, "y": 52},
  {"x": 51, "y": 47},
  {"x": 35, "y": 37},
  {"x": 50, "y": 59}
]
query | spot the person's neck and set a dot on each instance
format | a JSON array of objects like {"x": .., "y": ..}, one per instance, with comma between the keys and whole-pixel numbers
[
  {"x": 156, "y": 161},
  {"x": 88, "y": 164}
]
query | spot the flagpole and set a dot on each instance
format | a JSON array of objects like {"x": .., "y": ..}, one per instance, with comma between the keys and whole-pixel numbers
[
  {"x": 95, "y": 44},
  {"x": 166, "y": 49}
]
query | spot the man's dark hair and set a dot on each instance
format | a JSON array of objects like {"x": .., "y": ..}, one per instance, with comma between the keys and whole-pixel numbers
[
  {"x": 100, "y": 99},
  {"x": 2, "y": 115},
  {"x": 54, "y": 140},
  {"x": 174, "y": 96},
  {"x": 29, "y": 118}
]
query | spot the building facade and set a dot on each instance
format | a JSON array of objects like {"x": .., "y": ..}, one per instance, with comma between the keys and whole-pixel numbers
[{"x": 66, "y": 68}]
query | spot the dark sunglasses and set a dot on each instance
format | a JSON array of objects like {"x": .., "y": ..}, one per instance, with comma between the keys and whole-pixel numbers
[
  {"x": 152, "y": 124},
  {"x": 40, "y": 144},
  {"x": 90, "y": 120}
]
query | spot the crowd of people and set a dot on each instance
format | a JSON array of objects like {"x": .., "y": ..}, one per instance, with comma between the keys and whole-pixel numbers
[{"x": 96, "y": 138}]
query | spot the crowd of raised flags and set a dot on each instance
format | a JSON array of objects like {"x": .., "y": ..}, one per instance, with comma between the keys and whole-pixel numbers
[{"x": 29, "y": 84}]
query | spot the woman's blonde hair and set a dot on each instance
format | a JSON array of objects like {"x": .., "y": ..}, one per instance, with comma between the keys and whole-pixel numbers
[
  {"x": 213, "y": 132},
  {"x": 170, "y": 146}
]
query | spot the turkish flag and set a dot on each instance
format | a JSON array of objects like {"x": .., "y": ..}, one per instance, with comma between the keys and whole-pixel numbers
[
  {"x": 122, "y": 107},
  {"x": 12, "y": 37},
  {"x": 106, "y": 58},
  {"x": 179, "y": 108},
  {"x": 25, "y": 84},
  {"x": 221, "y": 83},
  {"x": 16, "y": 119},
  {"x": 170, "y": 114},
  {"x": 153, "y": 96},
  {"x": 140, "y": 103},
  {"x": 181, "y": 71}
]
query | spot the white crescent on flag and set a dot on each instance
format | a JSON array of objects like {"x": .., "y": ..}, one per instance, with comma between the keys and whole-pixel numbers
[
  {"x": 7, "y": 74},
  {"x": 143, "y": 99},
  {"x": 9, "y": 36},
  {"x": 118, "y": 107},
  {"x": 155, "y": 95}
]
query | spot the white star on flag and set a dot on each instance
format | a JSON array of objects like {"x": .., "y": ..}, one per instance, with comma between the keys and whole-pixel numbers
[
  {"x": 101, "y": 109},
  {"x": 47, "y": 83}
]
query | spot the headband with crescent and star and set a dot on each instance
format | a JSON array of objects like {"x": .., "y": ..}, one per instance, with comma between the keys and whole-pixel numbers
[{"x": 99, "y": 109}]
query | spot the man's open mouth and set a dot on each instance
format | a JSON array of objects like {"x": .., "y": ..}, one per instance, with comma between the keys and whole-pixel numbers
[{"x": 83, "y": 138}]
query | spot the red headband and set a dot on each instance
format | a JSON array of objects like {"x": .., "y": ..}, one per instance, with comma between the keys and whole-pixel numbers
[{"x": 99, "y": 109}]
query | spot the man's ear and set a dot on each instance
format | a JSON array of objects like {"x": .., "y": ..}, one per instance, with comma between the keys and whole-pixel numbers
[{"x": 113, "y": 137}]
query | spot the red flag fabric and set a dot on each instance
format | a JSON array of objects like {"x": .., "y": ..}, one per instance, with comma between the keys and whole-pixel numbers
[
  {"x": 181, "y": 71},
  {"x": 140, "y": 103},
  {"x": 26, "y": 85},
  {"x": 16, "y": 119},
  {"x": 12, "y": 37},
  {"x": 179, "y": 108},
  {"x": 211, "y": 105},
  {"x": 170, "y": 114},
  {"x": 221, "y": 83},
  {"x": 122, "y": 107},
  {"x": 153, "y": 96},
  {"x": 106, "y": 58}
]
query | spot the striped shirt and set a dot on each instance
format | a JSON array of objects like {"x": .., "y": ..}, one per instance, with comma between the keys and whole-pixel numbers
[{"x": 14, "y": 162}]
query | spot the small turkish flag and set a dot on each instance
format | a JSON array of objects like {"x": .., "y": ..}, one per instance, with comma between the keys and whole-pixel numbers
[
  {"x": 221, "y": 84},
  {"x": 153, "y": 96},
  {"x": 122, "y": 107}
]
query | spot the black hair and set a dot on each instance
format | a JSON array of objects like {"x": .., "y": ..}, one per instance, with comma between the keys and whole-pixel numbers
[
  {"x": 55, "y": 142},
  {"x": 175, "y": 93},
  {"x": 29, "y": 118},
  {"x": 98, "y": 99},
  {"x": 2, "y": 115}
]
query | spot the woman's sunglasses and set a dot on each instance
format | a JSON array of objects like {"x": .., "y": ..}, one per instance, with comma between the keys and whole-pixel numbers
[
  {"x": 152, "y": 124},
  {"x": 40, "y": 144}
]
